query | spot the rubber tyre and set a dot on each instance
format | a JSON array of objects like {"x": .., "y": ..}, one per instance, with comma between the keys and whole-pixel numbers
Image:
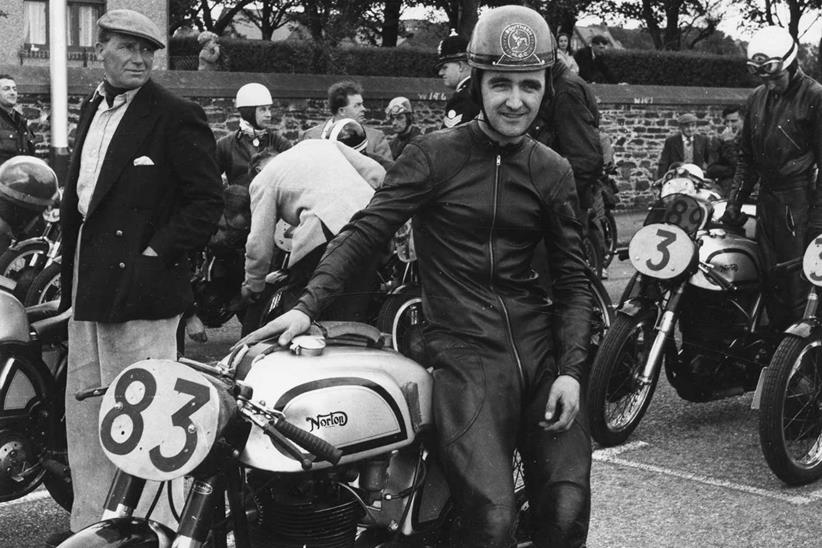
[
  {"x": 45, "y": 287},
  {"x": 603, "y": 314},
  {"x": 24, "y": 276},
  {"x": 796, "y": 368},
  {"x": 401, "y": 317},
  {"x": 592, "y": 248},
  {"x": 612, "y": 377}
]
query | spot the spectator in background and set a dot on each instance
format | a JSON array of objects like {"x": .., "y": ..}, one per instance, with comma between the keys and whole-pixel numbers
[
  {"x": 256, "y": 134},
  {"x": 401, "y": 116},
  {"x": 565, "y": 53},
  {"x": 726, "y": 149},
  {"x": 687, "y": 146},
  {"x": 211, "y": 55},
  {"x": 592, "y": 67},
  {"x": 452, "y": 67},
  {"x": 15, "y": 136},
  {"x": 345, "y": 101}
]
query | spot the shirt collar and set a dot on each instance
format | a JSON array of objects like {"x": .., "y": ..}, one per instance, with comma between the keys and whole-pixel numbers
[
  {"x": 120, "y": 100},
  {"x": 463, "y": 83}
]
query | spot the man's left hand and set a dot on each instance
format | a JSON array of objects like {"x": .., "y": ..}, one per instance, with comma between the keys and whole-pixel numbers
[{"x": 563, "y": 405}]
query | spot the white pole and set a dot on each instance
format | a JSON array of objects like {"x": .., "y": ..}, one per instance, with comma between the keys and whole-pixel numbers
[{"x": 58, "y": 61}]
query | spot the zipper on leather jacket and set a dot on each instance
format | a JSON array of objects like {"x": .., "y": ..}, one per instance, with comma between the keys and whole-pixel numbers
[
  {"x": 508, "y": 330},
  {"x": 788, "y": 137}
]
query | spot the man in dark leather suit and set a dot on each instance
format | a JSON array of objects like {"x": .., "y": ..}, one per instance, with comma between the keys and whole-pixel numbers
[
  {"x": 507, "y": 367},
  {"x": 781, "y": 148}
]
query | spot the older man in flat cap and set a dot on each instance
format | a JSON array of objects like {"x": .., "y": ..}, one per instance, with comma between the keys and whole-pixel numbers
[
  {"x": 685, "y": 147},
  {"x": 143, "y": 190}
]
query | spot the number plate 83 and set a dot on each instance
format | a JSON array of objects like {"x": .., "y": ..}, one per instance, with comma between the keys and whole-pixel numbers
[
  {"x": 662, "y": 251},
  {"x": 159, "y": 419},
  {"x": 812, "y": 262}
]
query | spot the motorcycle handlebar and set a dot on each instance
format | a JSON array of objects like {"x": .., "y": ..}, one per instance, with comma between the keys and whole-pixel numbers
[{"x": 316, "y": 446}]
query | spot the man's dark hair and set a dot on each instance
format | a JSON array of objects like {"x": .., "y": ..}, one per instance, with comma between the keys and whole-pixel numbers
[
  {"x": 338, "y": 94},
  {"x": 731, "y": 109},
  {"x": 7, "y": 77},
  {"x": 599, "y": 39}
]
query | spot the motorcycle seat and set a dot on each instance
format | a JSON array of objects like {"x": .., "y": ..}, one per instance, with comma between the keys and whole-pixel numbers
[
  {"x": 54, "y": 329},
  {"x": 42, "y": 311}
]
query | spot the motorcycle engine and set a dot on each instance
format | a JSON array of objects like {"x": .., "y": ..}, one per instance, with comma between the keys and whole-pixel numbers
[
  {"x": 715, "y": 359},
  {"x": 306, "y": 510},
  {"x": 20, "y": 470}
]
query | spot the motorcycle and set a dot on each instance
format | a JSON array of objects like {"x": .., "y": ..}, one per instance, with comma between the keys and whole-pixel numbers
[
  {"x": 33, "y": 356},
  {"x": 694, "y": 275},
  {"x": 789, "y": 396},
  {"x": 327, "y": 443},
  {"x": 25, "y": 259}
]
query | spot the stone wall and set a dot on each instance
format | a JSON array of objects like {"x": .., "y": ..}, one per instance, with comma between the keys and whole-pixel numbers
[{"x": 637, "y": 118}]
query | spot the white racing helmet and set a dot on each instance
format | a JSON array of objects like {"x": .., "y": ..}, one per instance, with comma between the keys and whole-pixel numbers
[
  {"x": 770, "y": 51},
  {"x": 253, "y": 95}
]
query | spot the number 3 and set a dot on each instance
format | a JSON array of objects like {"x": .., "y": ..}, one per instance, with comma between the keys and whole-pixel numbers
[
  {"x": 667, "y": 239},
  {"x": 182, "y": 420}
]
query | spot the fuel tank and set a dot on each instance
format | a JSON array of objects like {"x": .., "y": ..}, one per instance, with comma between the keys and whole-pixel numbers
[
  {"x": 363, "y": 401},
  {"x": 736, "y": 258}
]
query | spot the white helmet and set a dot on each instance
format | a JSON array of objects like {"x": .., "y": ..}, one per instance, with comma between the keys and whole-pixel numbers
[
  {"x": 253, "y": 95},
  {"x": 770, "y": 51}
]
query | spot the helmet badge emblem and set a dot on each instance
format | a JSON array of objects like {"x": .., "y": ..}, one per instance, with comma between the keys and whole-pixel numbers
[
  {"x": 518, "y": 41},
  {"x": 759, "y": 58}
]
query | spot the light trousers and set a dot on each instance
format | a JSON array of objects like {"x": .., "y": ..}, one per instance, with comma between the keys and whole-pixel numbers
[{"x": 98, "y": 352}]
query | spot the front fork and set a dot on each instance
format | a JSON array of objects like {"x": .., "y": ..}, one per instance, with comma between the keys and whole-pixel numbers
[{"x": 664, "y": 332}]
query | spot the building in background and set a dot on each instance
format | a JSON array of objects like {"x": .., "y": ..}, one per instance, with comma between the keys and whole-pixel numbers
[{"x": 24, "y": 32}]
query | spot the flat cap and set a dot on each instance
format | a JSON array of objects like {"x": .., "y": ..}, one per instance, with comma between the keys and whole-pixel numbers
[
  {"x": 686, "y": 118},
  {"x": 132, "y": 23}
]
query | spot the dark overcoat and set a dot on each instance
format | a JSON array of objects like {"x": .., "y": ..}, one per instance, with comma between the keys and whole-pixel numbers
[{"x": 159, "y": 186}]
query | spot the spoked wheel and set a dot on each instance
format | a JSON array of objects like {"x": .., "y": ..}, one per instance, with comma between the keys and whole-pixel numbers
[
  {"x": 592, "y": 247},
  {"x": 616, "y": 399},
  {"x": 602, "y": 316},
  {"x": 790, "y": 416},
  {"x": 28, "y": 405},
  {"x": 45, "y": 287},
  {"x": 22, "y": 264}
]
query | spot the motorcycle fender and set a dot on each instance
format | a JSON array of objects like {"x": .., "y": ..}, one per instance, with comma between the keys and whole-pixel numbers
[
  {"x": 802, "y": 329},
  {"x": 757, "y": 396},
  {"x": 117, "y": 532},
  {"x": 28, "y": 241},
  {"x": 632, "y": 307}
]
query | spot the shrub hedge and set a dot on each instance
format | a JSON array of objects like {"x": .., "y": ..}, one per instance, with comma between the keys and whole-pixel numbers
[{"x": 643, "y": 67}]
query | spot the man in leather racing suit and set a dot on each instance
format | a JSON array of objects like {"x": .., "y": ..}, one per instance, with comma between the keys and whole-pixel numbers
[
  {"x": 507, "y": 367},
  {"x": 781, "y": 147}
]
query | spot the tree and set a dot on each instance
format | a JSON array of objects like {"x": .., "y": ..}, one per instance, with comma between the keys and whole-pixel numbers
[
  {"x": 269, "y": 15},
  {"x": 561, "y": 15},
  {"x": 462, "y": 14},
  {"x": 773, "y": 12},
  {"x": 667, "y": 21}
]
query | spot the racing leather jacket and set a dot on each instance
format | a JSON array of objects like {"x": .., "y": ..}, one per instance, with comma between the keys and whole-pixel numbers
[
  {"x": 781, "y": 139},
  {"x": 479, "y": 209}
]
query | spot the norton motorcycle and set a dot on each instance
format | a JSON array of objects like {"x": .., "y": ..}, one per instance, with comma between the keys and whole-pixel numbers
[
  {"x": 33, "y": 356},
  {"x": 326, "y": 443},
  {"x": 790, "y": 392},
  {"x": 694, "y": 305}
]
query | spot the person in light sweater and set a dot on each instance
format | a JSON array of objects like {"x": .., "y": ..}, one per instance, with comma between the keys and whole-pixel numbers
[{"x": 316, "y": 187}]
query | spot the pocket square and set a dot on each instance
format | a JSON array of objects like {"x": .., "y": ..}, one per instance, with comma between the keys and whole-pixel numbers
[{"x": 143, "y": 161}]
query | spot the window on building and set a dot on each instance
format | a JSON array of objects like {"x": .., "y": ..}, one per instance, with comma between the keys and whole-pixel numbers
[{"x": 81, "y": 16}]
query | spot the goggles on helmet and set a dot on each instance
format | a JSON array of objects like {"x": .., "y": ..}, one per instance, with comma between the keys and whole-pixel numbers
[{"x": 765, "y": 68}]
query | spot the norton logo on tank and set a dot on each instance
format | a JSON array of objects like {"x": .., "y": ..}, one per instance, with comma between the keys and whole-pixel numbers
[
  {"x": 328, "y": 420},
  {"x": 518, "y": 41}
]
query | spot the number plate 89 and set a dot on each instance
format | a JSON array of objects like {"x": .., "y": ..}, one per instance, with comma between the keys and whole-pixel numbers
[
  {"x": 662, "y": 251},
  {"x": 159, "y": 419}
]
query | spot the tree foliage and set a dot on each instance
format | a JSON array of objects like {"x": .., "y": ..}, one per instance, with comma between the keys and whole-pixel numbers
[
  {"x": 785, "y": 13},
  {"x": 671, "y": 24}
]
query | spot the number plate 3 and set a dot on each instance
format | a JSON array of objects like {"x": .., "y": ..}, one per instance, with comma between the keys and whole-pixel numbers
[
  {"x": 159, "y": 419},
  {"x": 812, "y": 262},
  {"x": 661, "y": 250}
]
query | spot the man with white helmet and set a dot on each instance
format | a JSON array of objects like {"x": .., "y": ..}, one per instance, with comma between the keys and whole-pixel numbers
[
  {"x": 507, "y": 365},
  {"x": 781, "y": 147},
  {"x": 401, "y": 116},
  {"x": 256, "y": 134}
]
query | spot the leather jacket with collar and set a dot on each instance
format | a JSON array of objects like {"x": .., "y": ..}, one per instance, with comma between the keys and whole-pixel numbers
[{"x": 479, "y": 211}]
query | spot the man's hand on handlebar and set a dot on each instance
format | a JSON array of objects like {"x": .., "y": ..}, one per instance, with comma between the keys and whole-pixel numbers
[{"x": 287, "y": 326}]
